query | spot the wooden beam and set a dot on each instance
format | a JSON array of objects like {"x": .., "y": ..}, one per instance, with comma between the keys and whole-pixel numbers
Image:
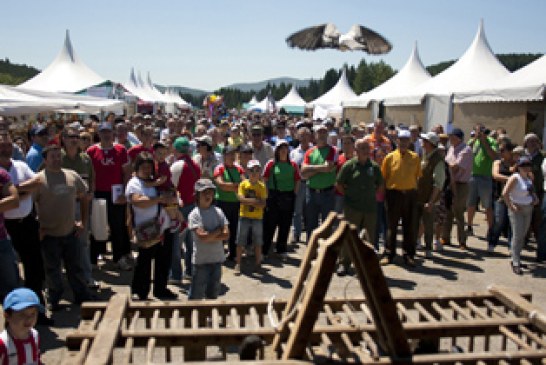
[
  {"x": 519, "y": 305},
  {"x": 101, "y": 351}
]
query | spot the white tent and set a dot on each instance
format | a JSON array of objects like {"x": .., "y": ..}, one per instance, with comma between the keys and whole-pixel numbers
[
  {"x": 332, "y": 99},
  {"x": 135, "y": 86},
  {"x": 411, "y": 75},
  {"x": 292, "y": 98},
  {"x": 17, "y": 101},
  {"x": 67, "y": 73},
  {"x": 175, "y": 97},
  {"x": 526, "y": 84},
  {"x": 253, "y": 101},
  {"x": 478, "y": 66},
  {"x": 267, "y": 105}
]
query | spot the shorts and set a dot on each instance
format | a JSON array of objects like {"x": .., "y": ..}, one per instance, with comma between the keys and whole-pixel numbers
[
  {"x": 243, "y": 229},
  {"x": 480, "y": 187}
]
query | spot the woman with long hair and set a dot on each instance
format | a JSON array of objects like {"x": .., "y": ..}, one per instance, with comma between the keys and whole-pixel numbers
[{"x": 282, "y": 178}]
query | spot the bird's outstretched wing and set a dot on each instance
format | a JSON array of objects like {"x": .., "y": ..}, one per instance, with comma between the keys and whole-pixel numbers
[
  {"x": 372, "y": 42},
  {"x": 319, "y": 36}
]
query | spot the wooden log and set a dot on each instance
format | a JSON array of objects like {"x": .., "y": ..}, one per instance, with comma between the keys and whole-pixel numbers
[
  {"x": 101, "y": 351},
  {"x": 519, "y": 305}
]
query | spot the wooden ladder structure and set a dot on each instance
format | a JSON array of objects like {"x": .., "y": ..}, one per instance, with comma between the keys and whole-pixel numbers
[{"x": 317, "y": 269}]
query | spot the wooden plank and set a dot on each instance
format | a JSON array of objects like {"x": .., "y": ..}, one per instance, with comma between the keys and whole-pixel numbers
[
  {"x": 323, "y": 231},
  {"x": 390, "y": 333},
  {"x": 514, "y": 338},
  {"x": 533, "y": 336},
  {"x": 235, "y": 318},
  {"x": 101, "y": 351},
  {"x": 519, "y": 305},
  {"x": 423, "y": 313},
  {"x": 126, "y": 355},
  {"x": 314, "y": 294}
]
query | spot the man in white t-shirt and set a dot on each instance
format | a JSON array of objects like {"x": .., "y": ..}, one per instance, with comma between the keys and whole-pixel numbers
[{"x": 21, "y": 222}]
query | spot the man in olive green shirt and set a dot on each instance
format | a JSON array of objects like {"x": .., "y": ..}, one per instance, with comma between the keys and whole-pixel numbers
[{"x": 359, "y": 180}]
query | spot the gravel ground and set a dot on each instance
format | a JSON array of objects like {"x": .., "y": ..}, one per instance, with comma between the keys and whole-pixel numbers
[{"x": 451, "y": 271}]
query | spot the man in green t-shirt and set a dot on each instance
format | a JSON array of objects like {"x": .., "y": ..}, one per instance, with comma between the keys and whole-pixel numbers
[
  {"x": 484, "y": 149},
  {"x": 319, "y": 168},
  {"x": 359, "y": 179}
]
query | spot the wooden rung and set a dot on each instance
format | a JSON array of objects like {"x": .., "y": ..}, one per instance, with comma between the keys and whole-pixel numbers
[
  {"x": 424, "y": 313},
  {"x": 328, "y": 347},
  {"x": 366, "y": 310},
  {"x": 441, "y": 311},
  {"x": 533, "y": 336},
  {"x": 194, "y": 319},
  {"x": 403, "y": 312},
  {"x": 478, "y": 312},
  {"x": 134, "y": 320},
  {"x": 351, "y": 315},
  {"x": 126, "y": 355},
  {"x": 234, "y": 317},
  {"x": 514, "y": 338},
  {"x": 155, "y": 319},
  {"x": 150, "y": 350},
  {"x": 460, "y": 311},
  {"x": 370, "y": 345},
  {"x": 215, "y": 318},
  {"x": 254, "y": 318},
  {"x": 494, "y": 309},
  {"x": 174, "y": 319}
]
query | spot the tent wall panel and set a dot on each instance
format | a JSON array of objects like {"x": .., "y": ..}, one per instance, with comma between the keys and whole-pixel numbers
[
  {"x": 511, "y": 116},
  {"x": 358, "y": 115},
  {"x": 407, "y": 114},
  {"x": 536, "y": 118}
]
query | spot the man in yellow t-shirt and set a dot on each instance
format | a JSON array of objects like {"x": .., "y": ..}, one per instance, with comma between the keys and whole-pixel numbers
[
  {"x": 252, "y": 194},
  {"x": 401, "y": 169}
]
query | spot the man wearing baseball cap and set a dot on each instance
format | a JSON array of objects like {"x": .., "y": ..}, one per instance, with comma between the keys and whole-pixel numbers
[
  {"x": 429, "y": 186},
  {"x": 459, "y": 160},
  {"x": 401, "y": 169}
]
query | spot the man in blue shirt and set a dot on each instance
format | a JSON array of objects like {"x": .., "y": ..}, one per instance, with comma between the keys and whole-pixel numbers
[{"x": 39, "y": 137}]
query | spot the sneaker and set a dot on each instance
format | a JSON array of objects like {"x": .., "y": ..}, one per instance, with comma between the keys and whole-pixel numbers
[
  {"x": 166, "y": 294},
  {"x": 469, "y": 230},
  {"x": 386, "y": 260},
  {"x": 123, "y": 264},
  {"x": 438, "y": 246},
  {"x": 237, "y": 269},
  {"x": 93, "y": 284},
  {"x": 341, "y": 270},
  {"x": 410, "y": 261}
]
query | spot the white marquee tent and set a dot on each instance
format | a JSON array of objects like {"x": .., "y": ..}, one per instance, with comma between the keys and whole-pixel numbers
[
  {"x": 333, "y": 98},
  {"x": 292, "y": 98},
  {"x": 526, "y": 84},
  {"x": 266, "y": 105},
  {"x": 478, "y": 66},
  {"x": 17, "y": 101},
  {"x": 67, "y": 73},
  {"x": 253, "y": 100},
  {"x": 410, "y": 76}
]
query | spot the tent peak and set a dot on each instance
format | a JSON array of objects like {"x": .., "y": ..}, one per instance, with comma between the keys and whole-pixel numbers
[{"x": 68, "y": 50}]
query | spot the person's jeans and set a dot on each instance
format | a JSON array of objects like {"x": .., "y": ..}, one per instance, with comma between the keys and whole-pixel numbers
[
  {"x": 176, "y": 260},
  {"x": 231, "y": 211},
  {"x": 250, "y": 227},
  {"x": 427, "y": 218},
  {"x": 9, "y": 273},
  {"x": 280, "y": 217},
  {"x": 298, "y": 210},
  {"x": 520, "y": 222},
  {"x": 319, "y": 205},
  {"x": 501, "y": 222},
  {"x": 457, "y": 210},
  {"x": 68, "y": 249},
  {"x": 541, "y": 239},
  {"x": 381, "y": 227},
  {"x": 206, "y": 281},
  {"x": 83, "y": 238}
]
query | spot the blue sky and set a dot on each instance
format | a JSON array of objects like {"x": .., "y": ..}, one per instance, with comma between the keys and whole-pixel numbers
[{"x": 209, "y": 44}]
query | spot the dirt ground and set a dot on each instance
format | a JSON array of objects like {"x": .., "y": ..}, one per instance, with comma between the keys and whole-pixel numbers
[{"x": 451, "y": 271}]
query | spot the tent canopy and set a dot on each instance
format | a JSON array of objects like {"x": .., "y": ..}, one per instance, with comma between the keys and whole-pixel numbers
[
  {"x": 478, "y": 66},
  {"x": 341, "y": 92},
  {"x": 292, "y": 98},
  {"x": 17, "y": 101},
  {"x": 526, "y": 84},
  {"x": 410, "y": 76},
  {"x": 67, "y": 73}
]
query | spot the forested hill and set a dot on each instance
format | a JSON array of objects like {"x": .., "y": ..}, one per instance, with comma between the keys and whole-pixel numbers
[
  {"x": 512, "y": 61},
  {"x": 13, "y": 74}
]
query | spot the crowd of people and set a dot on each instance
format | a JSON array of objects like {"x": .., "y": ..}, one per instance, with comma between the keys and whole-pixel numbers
[{"x": 191, "y": 193}]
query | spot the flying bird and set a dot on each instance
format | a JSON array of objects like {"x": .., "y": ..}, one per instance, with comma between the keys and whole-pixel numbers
[{"x": 358, "y": 38}]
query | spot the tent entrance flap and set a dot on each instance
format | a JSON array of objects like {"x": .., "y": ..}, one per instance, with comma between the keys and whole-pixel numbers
[{"x": 438, "y": 110}]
